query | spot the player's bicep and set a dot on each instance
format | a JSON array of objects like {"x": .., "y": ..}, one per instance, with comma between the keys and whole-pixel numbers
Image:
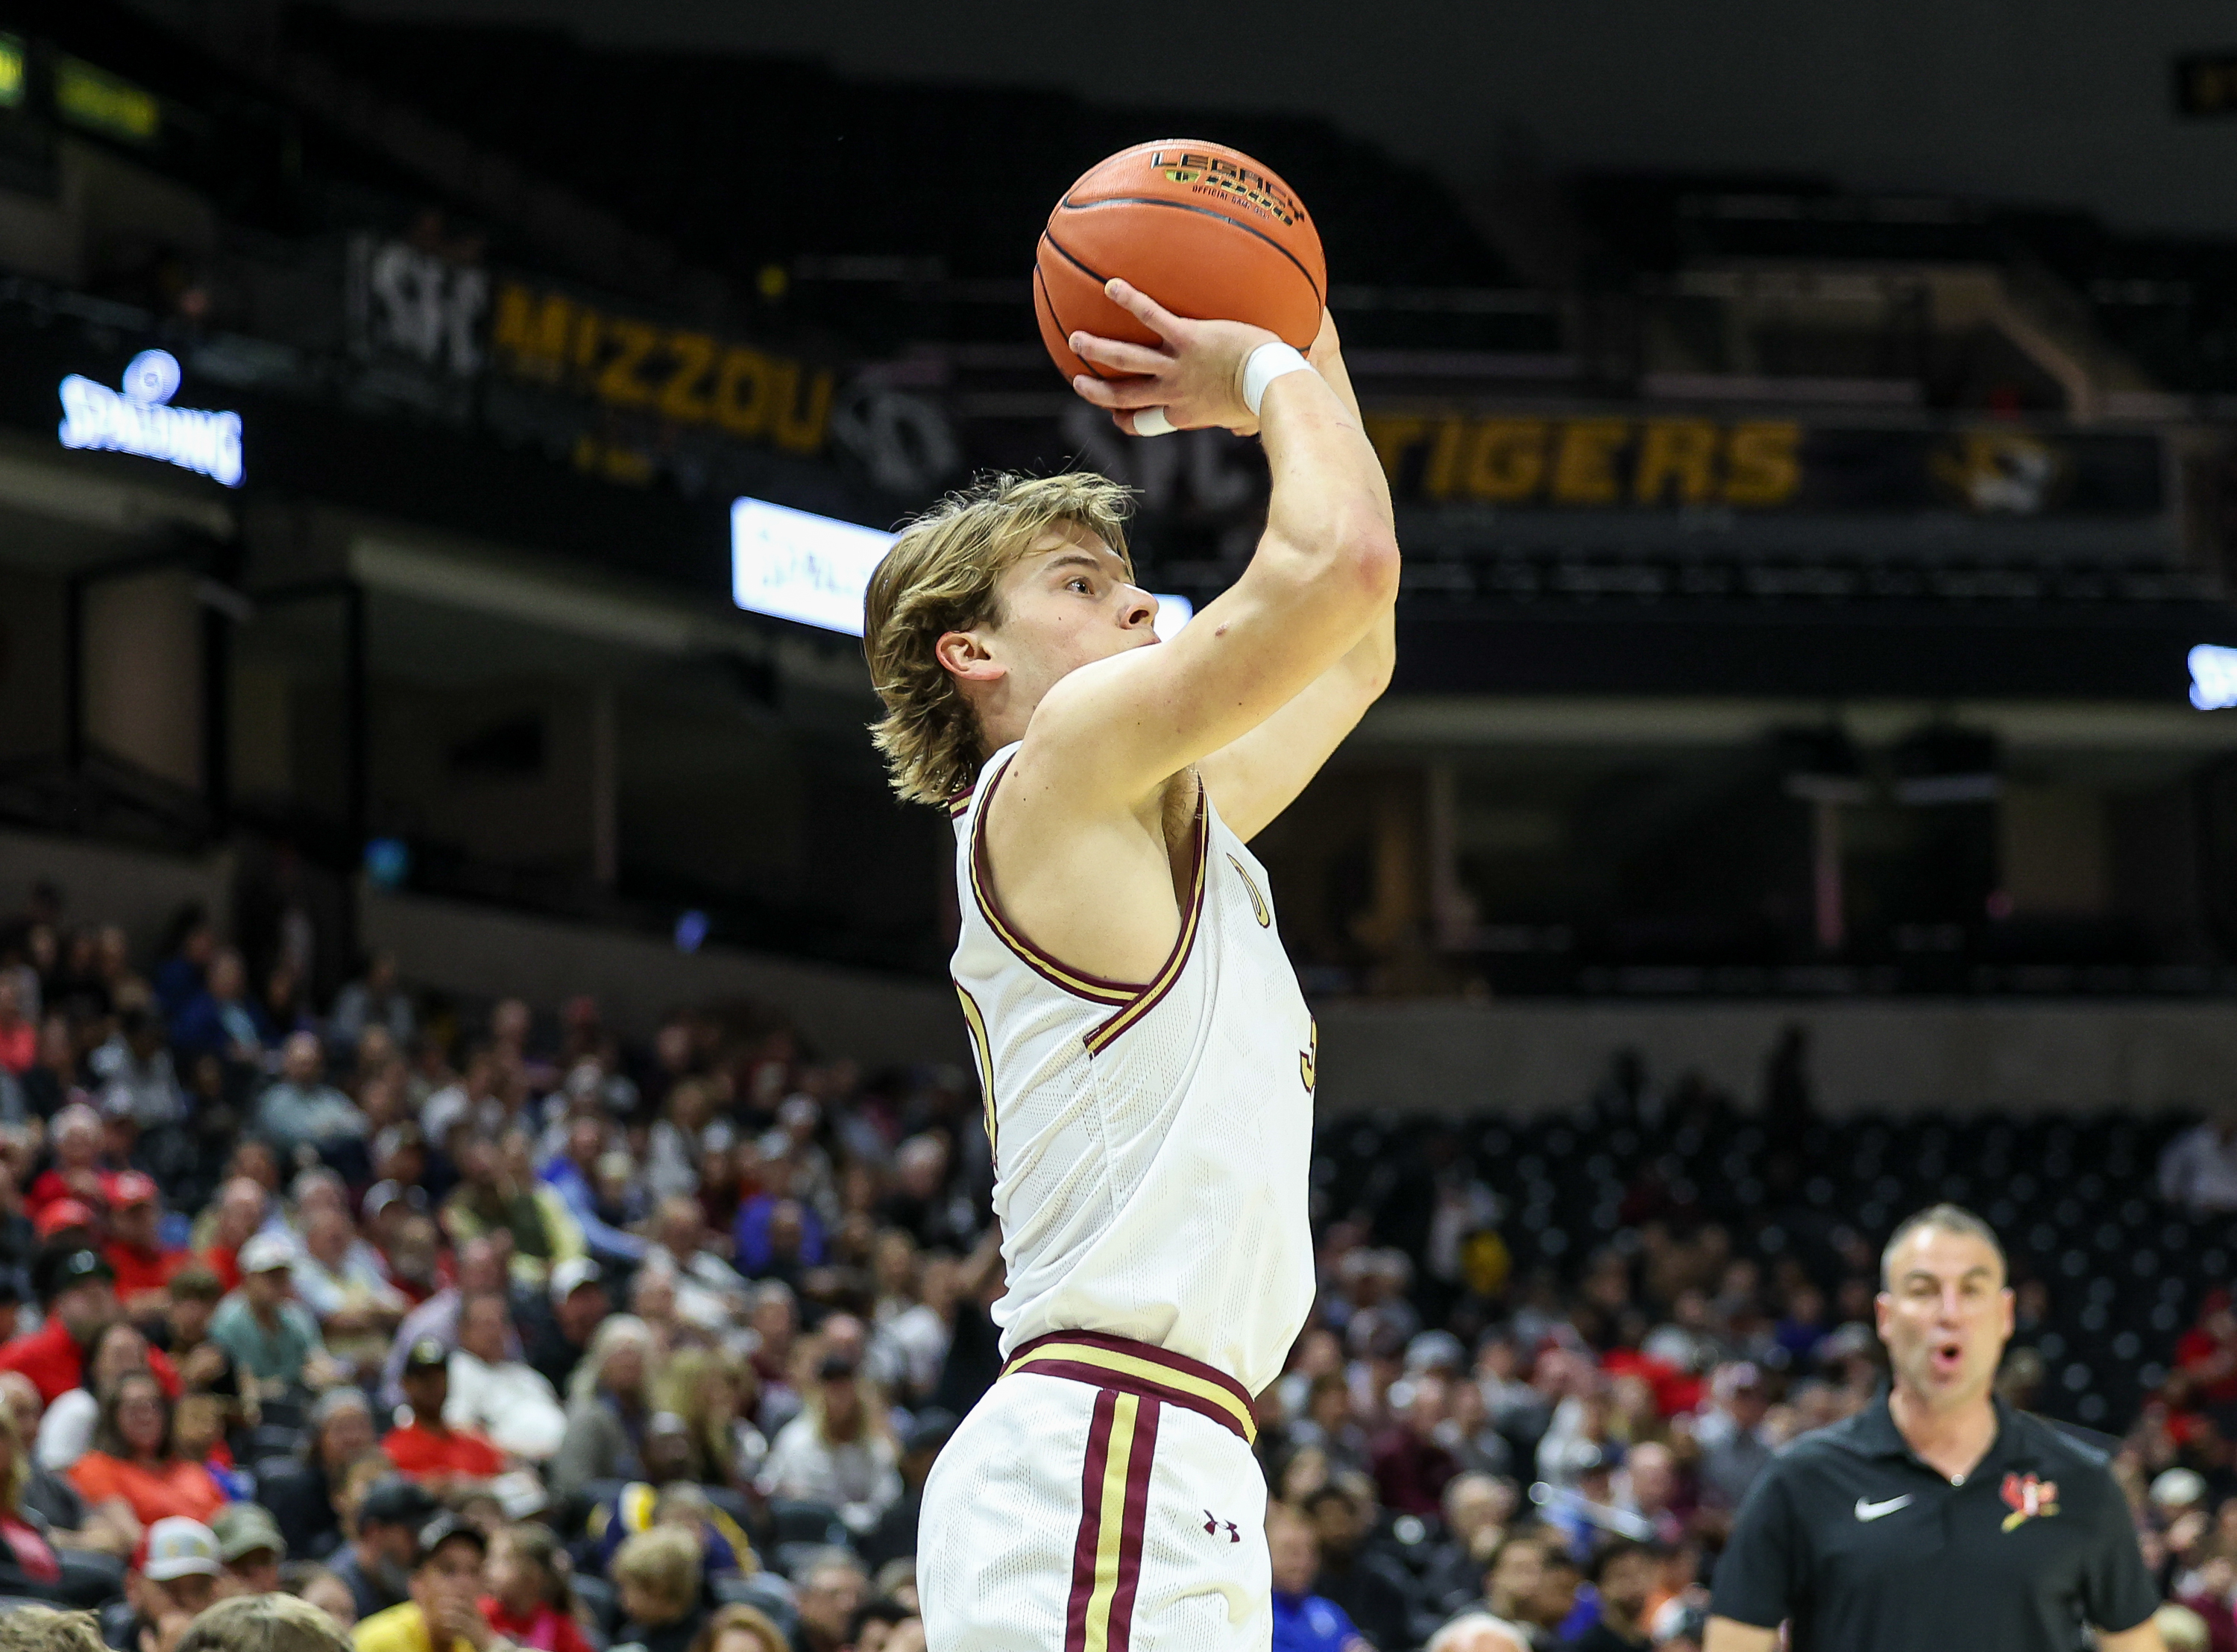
[
  {"x": 1115, "y": 729},
  {"x": 1253, "y": 778}
]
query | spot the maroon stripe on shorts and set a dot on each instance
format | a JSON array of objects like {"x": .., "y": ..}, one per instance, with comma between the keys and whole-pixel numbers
[
  {"x": 1091, "y": 1521},
  {"x": 1132, "y": 1528}
]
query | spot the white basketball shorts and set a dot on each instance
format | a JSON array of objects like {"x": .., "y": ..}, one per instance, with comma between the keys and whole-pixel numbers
[{"x": 1102, "y": 1497}]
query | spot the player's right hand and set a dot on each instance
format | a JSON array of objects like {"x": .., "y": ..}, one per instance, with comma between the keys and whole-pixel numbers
[{"x": 1195, "y": 373}]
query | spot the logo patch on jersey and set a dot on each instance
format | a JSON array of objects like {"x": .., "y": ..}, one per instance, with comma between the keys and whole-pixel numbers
[
  {"x": 1258, "y": 907},
  {"x": 1308, "y": 1058},
  {"x": 2028, "y": 1498},
  {"x": 1874, "y": 1510}
]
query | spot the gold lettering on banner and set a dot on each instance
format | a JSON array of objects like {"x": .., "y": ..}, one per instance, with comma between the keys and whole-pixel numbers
[
  {"x": 619, "y": 383},
  {"x": 1393, "y": 435},
  {"x": 746, "y": 415},
  {"x": 1507, "y": 460},
  {"x": 800, "y": 430},
  {"x": 681, "y": 376},
  {"x": 1763, "y": 464},
  {"x": 1444, "y": 460},
  {"x": 532, "y": 332},
  {"x": 590, "y": 342},
  {"x": 1584, "y": 463},
  {"x": 683, "y": 398},
  {"x": 1680, "y": 450}
]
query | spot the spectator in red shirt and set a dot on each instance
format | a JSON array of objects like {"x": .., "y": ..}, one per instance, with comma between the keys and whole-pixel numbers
[
  {"x": 144, "y": 1267},
  {"x": 19, "y": 1039},
  {"x": 80, "y": 1293},
  {"x": 2208, "y": 1351},
  {"x": 77, "y": 1172},
  {"x": 426, "y": 1448}
]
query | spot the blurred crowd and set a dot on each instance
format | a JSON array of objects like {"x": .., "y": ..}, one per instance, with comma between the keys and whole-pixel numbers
[{"x": 475, "y": 1322}]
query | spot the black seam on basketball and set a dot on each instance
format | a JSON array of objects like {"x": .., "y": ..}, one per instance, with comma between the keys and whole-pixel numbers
[
  {"x": 1074, "y": 262},
  {"x": 1070, "y": 205}
]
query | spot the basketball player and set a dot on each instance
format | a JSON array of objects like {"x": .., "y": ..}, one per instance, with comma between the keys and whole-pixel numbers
[{"x": 1147, "y": 1057}]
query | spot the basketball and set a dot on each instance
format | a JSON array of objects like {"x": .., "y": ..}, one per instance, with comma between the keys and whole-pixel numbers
[{"x": 1205, "y": 230}]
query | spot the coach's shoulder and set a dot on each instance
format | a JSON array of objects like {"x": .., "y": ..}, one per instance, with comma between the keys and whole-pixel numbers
[
  {"x": 1846, "y": 1438},
  {"x": 2076, "y": 1451}
]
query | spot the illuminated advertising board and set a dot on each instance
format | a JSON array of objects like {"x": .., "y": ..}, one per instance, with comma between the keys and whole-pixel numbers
[
  {"x": 139, "y": 418},
  {"x": 796, "y": 565},
  {"x": 2212, "y": 677}
]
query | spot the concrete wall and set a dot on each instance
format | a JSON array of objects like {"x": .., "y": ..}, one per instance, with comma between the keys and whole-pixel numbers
[
  {"x": 483, "y": 951},
  {"x": 144, "y": 670},
  {"x": 1899, "y": 1055},
  {"x": 102, "y": 884}
]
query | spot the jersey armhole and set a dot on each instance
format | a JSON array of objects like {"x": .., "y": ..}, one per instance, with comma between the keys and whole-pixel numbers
[{"x": 1094, "y": 988}]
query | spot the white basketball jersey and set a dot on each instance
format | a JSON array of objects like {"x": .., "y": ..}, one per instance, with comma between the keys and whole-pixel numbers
[{"x": 1152, "y": 1139}]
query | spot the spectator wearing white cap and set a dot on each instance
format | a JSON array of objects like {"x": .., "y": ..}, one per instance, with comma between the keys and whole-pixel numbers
[
  {"x": 174, "y": 1576},
  {"x": 272, "y": 1338},
  {"x": 579, "y": 1301}
]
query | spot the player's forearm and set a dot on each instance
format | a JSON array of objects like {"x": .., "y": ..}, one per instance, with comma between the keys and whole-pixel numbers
[{"x": 1328, "y": 518}]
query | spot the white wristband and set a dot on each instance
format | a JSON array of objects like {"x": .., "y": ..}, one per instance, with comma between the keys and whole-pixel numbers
[
  {"x": 1152, "y": 421},
  {"x": 1267, "y": 363}
]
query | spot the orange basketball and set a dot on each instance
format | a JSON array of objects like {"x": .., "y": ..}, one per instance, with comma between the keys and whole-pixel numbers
[{"x": 1204, "y": 229}]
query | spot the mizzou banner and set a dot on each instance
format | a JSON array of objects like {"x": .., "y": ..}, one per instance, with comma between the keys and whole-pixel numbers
[
  {"x": 1615, "y": 462},
  {"x": 679, "y": 377}
]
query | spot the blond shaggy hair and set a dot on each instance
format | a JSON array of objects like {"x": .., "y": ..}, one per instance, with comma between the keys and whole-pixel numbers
[{"x": 942, "y": 576}]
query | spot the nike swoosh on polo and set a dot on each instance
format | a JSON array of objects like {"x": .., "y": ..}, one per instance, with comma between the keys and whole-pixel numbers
[{"x": 1874, "y": 1510}]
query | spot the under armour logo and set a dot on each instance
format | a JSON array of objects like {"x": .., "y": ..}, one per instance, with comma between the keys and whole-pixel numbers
[{"x": 1212, "y": 1523}]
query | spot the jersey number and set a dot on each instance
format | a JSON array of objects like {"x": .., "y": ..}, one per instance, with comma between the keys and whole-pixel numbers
[{"x": 1308, "y": 1058}]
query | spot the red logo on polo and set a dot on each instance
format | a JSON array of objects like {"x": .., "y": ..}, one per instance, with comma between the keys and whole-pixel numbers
[{"x": 2027, "y": 1498}]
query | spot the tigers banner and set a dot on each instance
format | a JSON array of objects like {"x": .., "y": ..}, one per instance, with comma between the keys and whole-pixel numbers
[{"x": 1611, "y": 462}]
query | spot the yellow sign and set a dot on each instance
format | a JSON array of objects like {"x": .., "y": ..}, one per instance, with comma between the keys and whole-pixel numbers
[
  {"x": 679, "y": 375},
  {"x": 99, "y": 101},
  {"x": 1600, "y": 463},
  {"x": 11, "y": 72}
]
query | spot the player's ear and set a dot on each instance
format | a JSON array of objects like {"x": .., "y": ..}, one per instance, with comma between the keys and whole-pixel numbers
[{"x": 964, "y": 655}]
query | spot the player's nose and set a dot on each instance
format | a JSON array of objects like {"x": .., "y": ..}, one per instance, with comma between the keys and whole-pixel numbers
[{"x": 1141, "y": 609}]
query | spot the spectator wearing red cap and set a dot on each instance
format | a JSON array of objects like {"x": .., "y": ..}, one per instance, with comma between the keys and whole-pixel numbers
[
  {"x": 80, "y": 1293},
  {"x": 65, "y": 1221},
  {"x": 143, "y": 1266}
]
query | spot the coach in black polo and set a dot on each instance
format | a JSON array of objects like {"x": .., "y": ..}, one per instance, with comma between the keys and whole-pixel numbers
[{"x": 1937, "y": 1517}]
